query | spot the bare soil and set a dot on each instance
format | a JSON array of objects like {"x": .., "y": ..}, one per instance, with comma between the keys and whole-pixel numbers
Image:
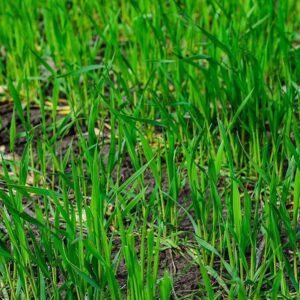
[{"x": 186, "y": 276}]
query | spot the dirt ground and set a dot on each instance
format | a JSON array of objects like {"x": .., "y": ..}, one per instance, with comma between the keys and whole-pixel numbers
[{"x": 186, "y": 276}]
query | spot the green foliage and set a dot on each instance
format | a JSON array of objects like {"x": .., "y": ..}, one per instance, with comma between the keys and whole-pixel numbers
[{"x": 151, "y": 114}]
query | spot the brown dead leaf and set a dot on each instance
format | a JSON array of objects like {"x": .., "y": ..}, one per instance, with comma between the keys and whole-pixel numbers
[{"x": 3, "y": 89}]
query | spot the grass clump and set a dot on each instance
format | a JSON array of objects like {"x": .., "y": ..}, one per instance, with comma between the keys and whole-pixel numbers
[{"x": 149, "y": 149}]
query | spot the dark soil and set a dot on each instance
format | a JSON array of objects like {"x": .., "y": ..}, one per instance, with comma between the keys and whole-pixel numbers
[{"x": 186, "y": 276}]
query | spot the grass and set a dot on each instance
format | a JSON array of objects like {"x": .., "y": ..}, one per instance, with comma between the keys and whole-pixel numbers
[{"x": 150, "y": 140}]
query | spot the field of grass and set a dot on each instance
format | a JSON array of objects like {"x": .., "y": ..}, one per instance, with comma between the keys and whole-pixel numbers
[{"x": 149, "y": 149}]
